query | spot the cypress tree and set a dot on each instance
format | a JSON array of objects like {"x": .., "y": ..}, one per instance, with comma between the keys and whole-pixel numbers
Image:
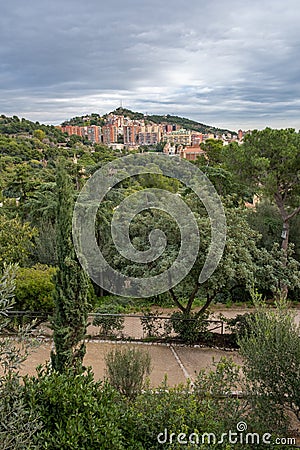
[{"x": 71, "y": 285}]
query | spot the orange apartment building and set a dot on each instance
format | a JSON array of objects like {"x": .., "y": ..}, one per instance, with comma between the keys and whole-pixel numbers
[
  {"x": 131, "y": 134},
  {"x": 92, "y": 132},
  {"x": 110, "y": 134}
]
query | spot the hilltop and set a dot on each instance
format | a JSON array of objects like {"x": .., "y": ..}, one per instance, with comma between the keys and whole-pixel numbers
[{"x": 188, "y": 124}]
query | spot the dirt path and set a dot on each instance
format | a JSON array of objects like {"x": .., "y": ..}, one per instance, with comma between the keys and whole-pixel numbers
[
  {"x": 164, "y": 362},
  {"x": 177, "y": 362}
]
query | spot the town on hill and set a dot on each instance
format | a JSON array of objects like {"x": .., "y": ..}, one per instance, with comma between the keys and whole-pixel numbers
[{"x": 124, "y": 128}]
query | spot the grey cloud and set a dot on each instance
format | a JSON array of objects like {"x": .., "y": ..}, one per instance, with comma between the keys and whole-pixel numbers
[{"x": 220, "y": 62}]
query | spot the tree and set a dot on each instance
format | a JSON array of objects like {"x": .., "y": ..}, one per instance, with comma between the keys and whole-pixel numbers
[
  {"x": 239, "y": 267},
  {"x": 269, "y": 160},
  {"x": 71, "y": 285},
  {"x": 236, "y": 268},
  {"x": 213, "y": 149},
  {"x": 15, "y": 240},
  {"x": 39, "y": 134}
]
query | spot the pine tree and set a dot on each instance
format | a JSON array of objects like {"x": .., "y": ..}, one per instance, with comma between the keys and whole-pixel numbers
[{"x": 71, "y": 292}]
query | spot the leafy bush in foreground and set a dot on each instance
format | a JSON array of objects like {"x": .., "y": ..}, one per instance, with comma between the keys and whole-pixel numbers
[{"x": 76, "y": 412}]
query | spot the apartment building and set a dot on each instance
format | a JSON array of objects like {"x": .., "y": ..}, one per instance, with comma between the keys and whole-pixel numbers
[
  {"x": 149, "y": 135},
  {"x": 182, "y": 137},
  {"x": 131, "y": 134},
  {"x": 196, "y": 139},
  {"x": 70, "y": 130},
  {"x": 191, "y": 153},
  {"x": 110, "y": 134},
  {"x": 92, "y": 132}
]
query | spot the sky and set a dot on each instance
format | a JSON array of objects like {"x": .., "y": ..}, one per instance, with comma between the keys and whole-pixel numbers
[{"x": 227, "y": 63}]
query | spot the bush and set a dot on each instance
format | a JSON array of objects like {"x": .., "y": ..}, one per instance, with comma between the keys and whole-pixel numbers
[
  {"x": 239, "y": 326},
  {"x": 76, "y": 412},
  {"x": 108, "y": 324},
  {"x": 34, "y": 289},
  {"x": 219, "y": 386},
  {"x": 154, "y": 327},
  {"x": 179, "y": 410},
  {"x": 17, "y": 421},
  {"x": 188, "y": 327},
  {"x": 271, "y": 352},
  {"x": 127, "y": 369}
]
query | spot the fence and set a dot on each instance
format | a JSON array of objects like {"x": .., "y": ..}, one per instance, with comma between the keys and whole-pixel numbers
[
  {"x": 133, "y": 326},
  {"x": 126, "y": 326}
]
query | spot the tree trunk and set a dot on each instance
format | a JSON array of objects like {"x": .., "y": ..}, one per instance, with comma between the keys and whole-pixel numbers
[
  {"x": 284, "y": 245},
  {"x": 285, "y": 237}
]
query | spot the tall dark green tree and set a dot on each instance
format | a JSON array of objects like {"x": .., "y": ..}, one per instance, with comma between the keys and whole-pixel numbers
[
  {"x": 71, "y": 292},
  {"x": 269, "y": 160}
]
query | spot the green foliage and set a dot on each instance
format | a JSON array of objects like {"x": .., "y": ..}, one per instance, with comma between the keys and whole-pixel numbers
[
  {"x": 271, "y": 352},
  {"x": 265, "y": 219},
  {"x": 189, "y": 326},
  {"x": 184, "y": 410},
  {"x": 122, "y": 304},
  {"x": 127, "y": 369},
  {"x": 15, "y": 240},
  {"x": 272, "y": 273},
  {"x": 108, "y": 324},
  {"x": 35, "y": 288},
  {"x": 15, "y": 126},
  {"x": 153, "y": 326},
  {"x": 71, "y": 286},
  {"x": 44, "y": 251},
  {"x": 269, "y": 161},
  {"x": 17, "y": 421},
  {"x": 174, "y": 409},
  {"x": 219, "y": 385},
  {"x": 76, "y": 412},
  {"x": 39, "y": 134},
  {"x": 214, "y": 150},
  {"x": 239, "y": 326}
]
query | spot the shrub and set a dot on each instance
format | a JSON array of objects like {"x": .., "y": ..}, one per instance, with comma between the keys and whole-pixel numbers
[
  {"x": 153, "y": 326},
  {"x": 239, "y": 326},
  {"x": 17, "y": 421},
  {"x": 271, "y": 352},
  {"x": 177, "y": 410},
  {"x": 108, "y": 324},
  {"x": 76, "y": 412},
  {"x": 189, "y": 326},
  {"x": 34, "y": 288},
  {"x": 127, "y": 369},
  {"x": 221, "y": 386}
]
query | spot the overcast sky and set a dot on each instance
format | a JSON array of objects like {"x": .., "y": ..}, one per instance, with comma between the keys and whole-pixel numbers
[{"x": 228, "y": 63}]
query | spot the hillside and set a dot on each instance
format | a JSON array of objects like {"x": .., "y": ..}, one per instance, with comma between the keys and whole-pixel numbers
[
  {"x": 14, "y": 126},
  {"x": 96, "y": 119}
]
